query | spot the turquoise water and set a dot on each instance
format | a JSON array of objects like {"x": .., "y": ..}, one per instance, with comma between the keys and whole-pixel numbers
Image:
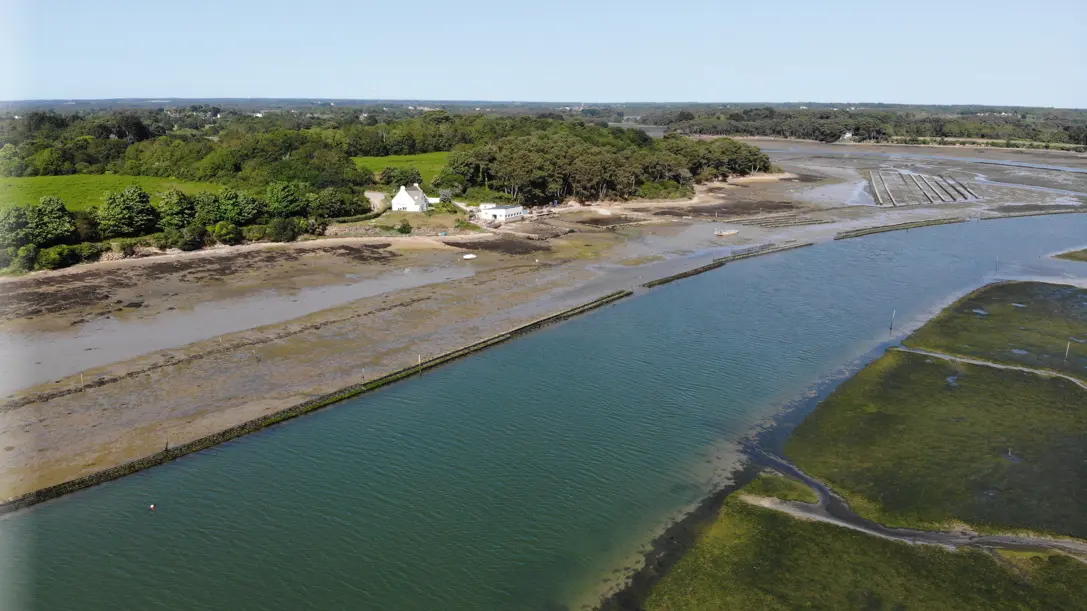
[{"x": 518, "y": 478}]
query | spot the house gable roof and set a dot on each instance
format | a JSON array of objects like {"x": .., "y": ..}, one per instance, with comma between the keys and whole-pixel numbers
[{"x": 416, "y": 194}]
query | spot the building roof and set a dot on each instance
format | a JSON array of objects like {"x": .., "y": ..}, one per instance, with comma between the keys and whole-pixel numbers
[{"x": 416, "y": 194}]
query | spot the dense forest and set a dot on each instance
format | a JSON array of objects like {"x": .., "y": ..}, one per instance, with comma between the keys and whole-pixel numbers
[
  {"x": 830, "y": 125},
  {"x": 531, "y": 159}
]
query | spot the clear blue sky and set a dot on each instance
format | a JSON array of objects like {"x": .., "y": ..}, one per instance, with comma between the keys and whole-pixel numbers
[{"x": 925, "y": 51}]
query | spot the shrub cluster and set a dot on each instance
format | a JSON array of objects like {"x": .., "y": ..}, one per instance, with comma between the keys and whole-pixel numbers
[{"x": 47, "y": 235}]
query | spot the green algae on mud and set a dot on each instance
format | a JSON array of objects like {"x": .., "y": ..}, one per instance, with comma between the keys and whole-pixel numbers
[{"x": 756, "y": 558}]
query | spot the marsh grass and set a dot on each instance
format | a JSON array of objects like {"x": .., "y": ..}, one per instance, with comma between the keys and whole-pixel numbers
[
  {"x": 781, "y": 487},
  {"x": 1029, "y": 324},
  {"x": 922, "y": 442},
  {"x": 755, "y": 558}
]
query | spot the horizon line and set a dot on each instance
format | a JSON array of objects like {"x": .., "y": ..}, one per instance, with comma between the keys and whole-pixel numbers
[{"x": 174, "y": 99}]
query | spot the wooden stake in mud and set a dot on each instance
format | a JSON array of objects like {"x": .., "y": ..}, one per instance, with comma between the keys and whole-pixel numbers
[
  {"x": 1066, "y": 350},
  {"x": 419, "y": 364},
  {"x": 81, "y": 380}
]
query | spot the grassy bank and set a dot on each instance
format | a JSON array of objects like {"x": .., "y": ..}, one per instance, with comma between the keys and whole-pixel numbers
[
  {"x": 428, "y": 164},
  {"x": 753, "y": 558},
  {"x": 80, "y": 191},
  {"x": 1030, "y": 324},
  {"x": 1076, "y": 255},
  {"x": 922, "y": 442},
  {"x": 781, "y": 487}
]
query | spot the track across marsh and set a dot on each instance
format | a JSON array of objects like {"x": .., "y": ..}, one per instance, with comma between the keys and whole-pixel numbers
[{"x": 832, "y": 508}]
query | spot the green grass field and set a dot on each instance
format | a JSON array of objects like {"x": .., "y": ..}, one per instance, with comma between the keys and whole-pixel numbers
[
  {"x": 428, "y": 164},
  {"x": 80, "y": 191},
  {"x": 753, "y": 558},
  {"x": 1075, "y": 255},
  {"x": 1030, "y": 324},
  {"x": 922, "y": 442},
  {"x": 431, "y": 221}
]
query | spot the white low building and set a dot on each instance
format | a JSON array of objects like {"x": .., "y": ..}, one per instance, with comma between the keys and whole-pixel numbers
[
  {"x": 410, "y": 199},
  {"x": 501, "y": 214}
]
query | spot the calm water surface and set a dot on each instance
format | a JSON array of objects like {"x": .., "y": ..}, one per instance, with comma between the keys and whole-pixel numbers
[{"x": 519, "y": 478}]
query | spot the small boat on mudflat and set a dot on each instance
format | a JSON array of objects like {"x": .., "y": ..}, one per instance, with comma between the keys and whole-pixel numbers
[{"x": 722, "y": 233}]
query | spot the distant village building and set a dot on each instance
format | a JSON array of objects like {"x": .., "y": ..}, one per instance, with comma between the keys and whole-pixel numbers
[
  {"x": 411, "y": 199},
  {"x": 501, "y": 214}
]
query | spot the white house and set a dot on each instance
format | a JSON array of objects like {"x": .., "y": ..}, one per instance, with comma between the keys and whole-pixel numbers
[
  {"x": 502, "y": 214},
  {"x": 410, "y": 199}
]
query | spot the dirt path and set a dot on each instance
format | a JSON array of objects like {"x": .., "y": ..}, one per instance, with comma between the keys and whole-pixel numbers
[
  {"x": 963, "y": 359},
  {"x": 832, "y": 509}
]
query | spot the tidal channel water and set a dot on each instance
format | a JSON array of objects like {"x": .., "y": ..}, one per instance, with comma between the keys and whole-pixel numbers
[{"x": 522, "y": 477}]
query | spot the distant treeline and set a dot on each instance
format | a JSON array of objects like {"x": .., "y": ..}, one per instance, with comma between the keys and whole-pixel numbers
[
  {"x": 1056, "y": 126},
  {"x": 531, "y": 159}
]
